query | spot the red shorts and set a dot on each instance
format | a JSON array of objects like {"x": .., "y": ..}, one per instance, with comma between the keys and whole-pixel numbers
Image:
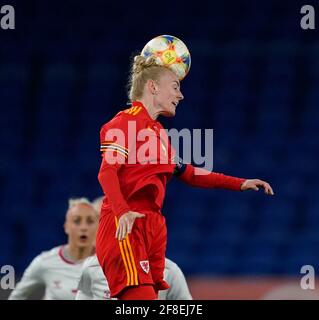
[{"x": 139, "y": 259}]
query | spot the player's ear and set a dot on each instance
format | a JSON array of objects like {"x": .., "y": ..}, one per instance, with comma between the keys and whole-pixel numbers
[
  {"x": 66, "y": 227},
  {"x": 152, "y": 86}
]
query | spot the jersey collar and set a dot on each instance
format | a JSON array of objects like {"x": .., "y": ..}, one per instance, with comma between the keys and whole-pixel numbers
[
  {"x": 62, "y": 256},
  {"x": 144, "y": 113}
]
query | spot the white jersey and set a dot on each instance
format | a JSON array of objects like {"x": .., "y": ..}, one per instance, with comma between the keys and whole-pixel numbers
[
  {"x": 94, "y": 286},
  {"x": 52, "y": 270},
  {"x": 174, "y": 276}
]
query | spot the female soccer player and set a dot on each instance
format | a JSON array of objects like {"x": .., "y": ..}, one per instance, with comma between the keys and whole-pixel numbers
[
  {"x": 59, "y": 269},
  {"x": 131, "y": 251}
]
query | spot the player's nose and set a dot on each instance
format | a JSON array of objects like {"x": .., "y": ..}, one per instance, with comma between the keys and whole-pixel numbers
[{"x": 84, "y": 227}]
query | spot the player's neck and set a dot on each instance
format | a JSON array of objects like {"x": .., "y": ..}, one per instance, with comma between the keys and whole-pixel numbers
[
  {"x": 78, "y": 254},
  {"x": 148, "y": 103}
]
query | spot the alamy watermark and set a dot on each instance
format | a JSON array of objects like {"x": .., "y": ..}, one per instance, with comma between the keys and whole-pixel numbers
[
  {"x": 152, "y": 146},
  {"x": 7, "y": 17},
  {"x": 7, "y": 277},
  {"x": 307, "y": 282},
  {"x": 308, "y": 19}
]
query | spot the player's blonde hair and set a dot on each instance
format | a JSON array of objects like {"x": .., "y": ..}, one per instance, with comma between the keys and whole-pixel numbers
[
  {"x": 76, "y": 201},
  {"x": 142, "y": 69},
  {"x": 97, "y": 202}
]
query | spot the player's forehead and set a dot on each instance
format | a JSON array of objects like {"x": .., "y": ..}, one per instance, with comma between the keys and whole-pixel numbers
[
  {"x": 81, "y": 210},
  {"x": 169, "y": 76}
]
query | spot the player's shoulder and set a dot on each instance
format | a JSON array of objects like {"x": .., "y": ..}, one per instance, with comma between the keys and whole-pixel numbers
[
  {"x": 132, "y": 113},
  {"x": 50, "y": 254},
  {"x": 91, "y": 261},
  {"x": 116, "y": 122},
  {"x": 46, "y": 258}
]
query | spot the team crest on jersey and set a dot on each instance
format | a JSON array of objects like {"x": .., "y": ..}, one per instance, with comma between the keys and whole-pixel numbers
[{"x": 145, "y": 265}]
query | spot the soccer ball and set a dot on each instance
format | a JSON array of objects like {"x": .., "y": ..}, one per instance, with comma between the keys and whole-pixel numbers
[{"x": 171, "y": 52}]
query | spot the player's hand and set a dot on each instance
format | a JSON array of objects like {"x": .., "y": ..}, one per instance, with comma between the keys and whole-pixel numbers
[
  {"x": 125, "y": 224},
  {"x": 254, "y": 184}
]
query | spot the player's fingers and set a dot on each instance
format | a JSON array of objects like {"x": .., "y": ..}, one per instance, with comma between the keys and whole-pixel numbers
[
  {"x": 130, "y": 226},
  {"x": 118, "y": 232},
  {"x": 141, "y": 215},
  {"x": 124, "y": 231},
  {"x": 138, "y": 215},
  {"x": 260, "y": 183},
  {"x": 266, "y": 187},
  {"x": 121, "y": 233},
  {"x": 271, "y": 190}
]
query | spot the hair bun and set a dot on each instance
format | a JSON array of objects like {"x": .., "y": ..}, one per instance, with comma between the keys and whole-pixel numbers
[{"x": 140, "y": 63}]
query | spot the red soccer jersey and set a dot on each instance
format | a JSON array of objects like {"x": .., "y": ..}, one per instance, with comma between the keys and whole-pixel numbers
[
  {"x": 137, "y": 162},
  {"x": 142, "y": 153}
]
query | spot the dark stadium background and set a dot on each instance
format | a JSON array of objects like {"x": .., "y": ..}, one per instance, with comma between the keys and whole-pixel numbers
[{"x": 254, "y": 80}]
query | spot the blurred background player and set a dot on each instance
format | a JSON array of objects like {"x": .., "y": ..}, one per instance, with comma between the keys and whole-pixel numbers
[
  {"x": 94, "y": 286},
  {"x": 59, "y": 269}
]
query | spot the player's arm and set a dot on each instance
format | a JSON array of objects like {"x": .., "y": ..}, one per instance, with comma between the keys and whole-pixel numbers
[
  {"x": 199, "y": 177},
  {"x": 178, "y": 286},
  {"x": 112, "y": 190},
  {"x": 30, "y": 281},
  {"x": 115, "y": 151},
  {"x": 108, "y": 176},
  {"x": 115, "y": 154},
  {"x": 85, "y": 285}
]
